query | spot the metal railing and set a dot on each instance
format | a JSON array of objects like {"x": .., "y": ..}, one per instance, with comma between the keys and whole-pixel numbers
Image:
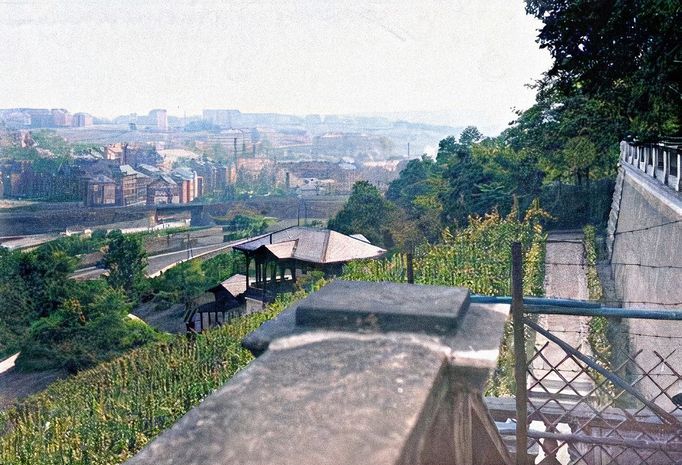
[
  {"x": 593, "y": 386},
  {"x": 600, "y": 403}
]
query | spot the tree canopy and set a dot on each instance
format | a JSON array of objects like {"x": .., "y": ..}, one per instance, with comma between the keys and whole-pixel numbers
[
  {"x": 366, "y": 212},
  {"x": 126, "y": 260},
  {"x": 625, "y": 54}
]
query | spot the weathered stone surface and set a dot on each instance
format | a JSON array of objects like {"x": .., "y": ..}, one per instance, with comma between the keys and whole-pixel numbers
[
  {"x": 339, "y": 401},
  {"x": 645, "y": 203},
  {"x": 368, "y": 306},
  {"x": 321, "y": 396},
  {"x": 474, "y": 347}
]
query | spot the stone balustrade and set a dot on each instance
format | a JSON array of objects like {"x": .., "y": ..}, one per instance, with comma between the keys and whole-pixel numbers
[
  {"x": 358, "y": 372},
  {"x": 662, "y": 161}
]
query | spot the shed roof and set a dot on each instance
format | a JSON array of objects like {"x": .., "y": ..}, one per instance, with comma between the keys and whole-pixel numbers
[
  {"x": 235, "y": 285},
  {"x": 313, "y": 245}
]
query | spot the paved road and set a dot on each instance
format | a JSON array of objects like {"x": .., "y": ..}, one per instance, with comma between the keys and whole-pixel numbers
[{"x": 162, "y": 262}]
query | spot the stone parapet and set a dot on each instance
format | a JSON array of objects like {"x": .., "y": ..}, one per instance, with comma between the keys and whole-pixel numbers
[{"x": 396, "y": 377}]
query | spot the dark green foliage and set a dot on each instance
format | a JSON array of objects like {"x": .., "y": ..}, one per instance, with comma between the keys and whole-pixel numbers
[
  {"x": 563, "y": 152},
  {"x": 78, "y": 335},
  {"x": 189, "y": 279},
  {"x": 626, "y": 53},
  {"x": 243, "y": 225},
  {"x": 107, "y": 414},
  {"x": 366, "y": 213},
  {"x": 126, "y": 260},
  {"x": 574, "y": 139},
  {"x": 221, "y": 267},
  {"x": 16, "y": 308},
  {"x": 573, "y": 206},
  {"x": 416, "y": 193},
  {"x": 45, "y": 273},
  {"x": 57, "y": 322},
  {"x": 77, "y": 244}
]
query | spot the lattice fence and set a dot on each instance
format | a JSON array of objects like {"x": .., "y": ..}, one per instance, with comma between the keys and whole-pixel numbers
[{"x": 614, "y": 400}]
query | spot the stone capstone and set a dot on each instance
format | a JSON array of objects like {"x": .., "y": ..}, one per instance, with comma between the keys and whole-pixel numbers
[{"x": 354, "y": 306}]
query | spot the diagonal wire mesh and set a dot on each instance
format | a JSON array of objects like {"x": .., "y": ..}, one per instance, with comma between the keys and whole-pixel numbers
[{"x": 604, "y": 403}]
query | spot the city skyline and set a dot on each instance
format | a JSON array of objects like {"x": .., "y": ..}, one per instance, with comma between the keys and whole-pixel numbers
[{"x": 446, "y": 62}]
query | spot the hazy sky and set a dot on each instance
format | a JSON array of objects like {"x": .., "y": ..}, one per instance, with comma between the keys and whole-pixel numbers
[{"x": 465, "y": 60}]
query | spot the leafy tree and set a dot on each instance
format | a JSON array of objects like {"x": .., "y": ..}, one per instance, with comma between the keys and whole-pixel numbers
[
  {"x": 544, "y": 130},
  {"x": 626, "y": 53},
  {"x": 221, "y": 267},
  {"x": 579, "y": 154},
  {"x": 16, "y": 308},
  {"x": 469, "y": 188},
  {"x": 366, "y": 212},
  {"x": 45, "y": 273},
  {"x": 516, "y": 170},
  {"x": 469, "y": 136},
  {"x": 126, "y": 260}
]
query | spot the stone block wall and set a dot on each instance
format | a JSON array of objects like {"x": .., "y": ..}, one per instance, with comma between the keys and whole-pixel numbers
[{"x": 646, "y": 263}]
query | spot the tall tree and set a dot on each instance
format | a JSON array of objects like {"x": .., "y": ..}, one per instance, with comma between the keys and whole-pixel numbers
[
  {"x": 625, "y": 52},
  {"x": 366, "y": 212},
  {"x": 126, "y": 260}
]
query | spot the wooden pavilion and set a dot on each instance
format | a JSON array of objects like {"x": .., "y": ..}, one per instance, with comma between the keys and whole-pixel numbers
[
  {"x": 278, "y": 258},
  {"x": 218, "y": 305}
]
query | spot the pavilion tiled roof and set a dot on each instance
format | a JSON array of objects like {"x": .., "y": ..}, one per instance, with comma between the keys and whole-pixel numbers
[
  {"x": 235, "y": 285},
  {"x": 314, "y": 245}
]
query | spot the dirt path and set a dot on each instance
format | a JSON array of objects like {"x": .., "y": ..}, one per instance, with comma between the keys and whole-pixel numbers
[
  {"x": 15, "y": 385},
  {"x": 565, "y": 277}
]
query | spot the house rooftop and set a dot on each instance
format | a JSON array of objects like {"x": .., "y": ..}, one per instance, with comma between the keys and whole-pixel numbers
[
  {"x": 167, "y": 179},
  {"x": 149, "y": 168},
  {"x": 100, "y": 178},
  {"x": 314, "y": 245},
  {"x": 129, "y": 170}
]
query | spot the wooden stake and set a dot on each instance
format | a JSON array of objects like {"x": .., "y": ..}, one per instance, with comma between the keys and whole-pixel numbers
[{"x": 519, "y": 356}]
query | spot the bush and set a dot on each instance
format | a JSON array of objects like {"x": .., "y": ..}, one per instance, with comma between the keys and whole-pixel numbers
[
  {"x": 79, "y": 334},
  {"x": 107, "y": 414}
]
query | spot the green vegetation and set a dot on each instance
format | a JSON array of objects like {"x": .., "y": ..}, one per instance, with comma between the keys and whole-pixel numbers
[
  {"x": 126, "y": 260},
  {"x": 597, "y": 335},
  {"x": 366, "y": 212},
  {"x": 244, "y": 224},
  {"x": 590, "y": 247},
  {"x": 78, "y": 244},
  {"x": 598, "y": 327},
  {"x": 637, "y": 81},
  {"x": 477, "y": 257},
  {"x": 57, "y": 322},
  {"x": 106, "y": 414},
  {"x": 189, "y": 279},
  {"x": 81, "y": 333}
]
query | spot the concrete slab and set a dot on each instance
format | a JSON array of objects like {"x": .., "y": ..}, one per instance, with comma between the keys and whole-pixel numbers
[{"x": 369, "y": 306}]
